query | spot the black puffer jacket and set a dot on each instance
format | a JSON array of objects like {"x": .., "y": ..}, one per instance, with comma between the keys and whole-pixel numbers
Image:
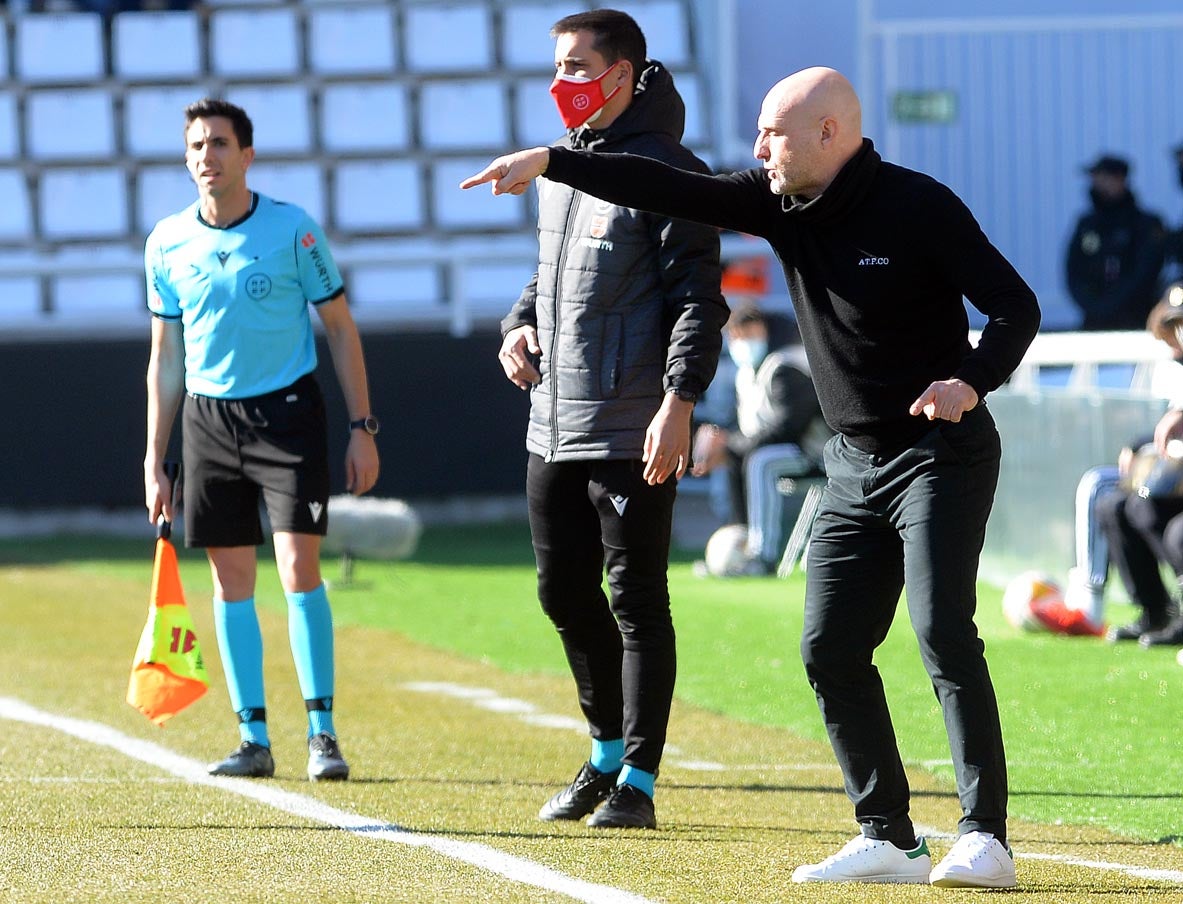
[{"x": 626, "y": 303}]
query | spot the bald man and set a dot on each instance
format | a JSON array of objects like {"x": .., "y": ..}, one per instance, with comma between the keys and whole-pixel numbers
[{"x": 877, "y": 259}]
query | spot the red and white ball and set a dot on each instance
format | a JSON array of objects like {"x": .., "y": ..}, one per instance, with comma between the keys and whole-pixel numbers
[{"x": 1029, "y": 594}]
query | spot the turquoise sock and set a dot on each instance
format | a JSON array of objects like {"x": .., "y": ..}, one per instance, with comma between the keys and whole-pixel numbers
[
  {"x": 606, "y": 755},
  {"x": 638, "y": 778},
  {"x": 241, "y": 646},
  {"x": 310, "y": 631}
]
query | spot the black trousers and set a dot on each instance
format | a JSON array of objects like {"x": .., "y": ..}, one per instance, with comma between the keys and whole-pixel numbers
[
  {"x": 1142, "y": 532},
  {"x": 588, "y": 518},
  {"x": 917, "y": 518}
]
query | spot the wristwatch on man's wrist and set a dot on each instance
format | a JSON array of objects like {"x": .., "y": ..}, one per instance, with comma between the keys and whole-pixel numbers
[{"x": 369, "y": 423}]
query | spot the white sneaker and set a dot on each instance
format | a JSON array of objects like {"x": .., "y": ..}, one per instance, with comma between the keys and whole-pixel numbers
[
  {"x": 976, "y": 860},
  {"x": 864, "y": 859}
]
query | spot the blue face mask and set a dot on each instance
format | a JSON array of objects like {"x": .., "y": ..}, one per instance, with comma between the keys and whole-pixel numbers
[{"x": 747, "y": 352}]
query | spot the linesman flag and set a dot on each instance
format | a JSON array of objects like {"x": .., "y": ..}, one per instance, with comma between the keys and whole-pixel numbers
[{"x": 168, "y": 672}]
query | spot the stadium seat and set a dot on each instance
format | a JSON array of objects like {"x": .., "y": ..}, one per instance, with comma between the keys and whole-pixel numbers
[
  {"x": 84, "y": 296},
  {"x": 22, "y": 300},
  {"x": 410, "y": 292},
  {"x": 156, "y": 45},
  {"x": 352, "y": 40},
  {"x": 4, "y": 54},
  {"x": 9, "y": 145},
  {"x": 378, "y": 196},
  {"x": 469, "y": 44},
  {"x": 487, "y": 288},
  {"x": 467, "y": 115},
  {"x": 364, "y": 117},
  {"x": 526, "y": 41},
  {"x": 153, "y": 120},
  {"x": 301, "y": 184},
  {"x": 104, "y": 215},
  {"x": 59, "y": 47},
  {"x": 70, "y": 124},
  {"x": 667, "y": 31},
  {"x": 536, "y": 122},
  {"x": 161, "y": 191},
  {"x": 280, "y": 114},
  {"x": 256, "y": 42},
  {"x": 15, "y": 221},
  {"x": 467, "y": 211}
]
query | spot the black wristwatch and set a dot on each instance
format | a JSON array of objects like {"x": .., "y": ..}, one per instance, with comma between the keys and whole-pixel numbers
[
  {"x": 685, "y": 395},
  {"x": 369, "y": 423}
]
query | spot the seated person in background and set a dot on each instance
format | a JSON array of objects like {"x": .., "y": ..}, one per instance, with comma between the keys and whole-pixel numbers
[
  {"x": 1142, "y": 522},
  {"x": 776, "y": 406},
  {"x": 1115, "y": 253}
]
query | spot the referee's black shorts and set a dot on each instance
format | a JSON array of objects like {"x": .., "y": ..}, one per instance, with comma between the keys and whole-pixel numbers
[{"x": 274, "y": 445}]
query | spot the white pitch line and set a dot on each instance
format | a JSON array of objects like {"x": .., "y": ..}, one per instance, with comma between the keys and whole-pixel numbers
[
  {"x": 516, "y": 869},
  {"x": 485, "y": 698}
]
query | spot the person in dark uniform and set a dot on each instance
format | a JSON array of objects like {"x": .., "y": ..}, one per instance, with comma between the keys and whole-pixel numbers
[
  {"x": 616, "y": 336},
  {"x": 877, "y": 259},
  {"x": 1115, "y": 254},
  {"x": 230, "y": 280}
]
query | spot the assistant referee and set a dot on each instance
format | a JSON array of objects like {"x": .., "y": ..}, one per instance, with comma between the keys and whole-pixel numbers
[{"x": 230, "y": 280}]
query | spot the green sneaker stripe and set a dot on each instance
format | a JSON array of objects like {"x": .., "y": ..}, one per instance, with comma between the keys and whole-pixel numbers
[{"x": 921, "y": 850}]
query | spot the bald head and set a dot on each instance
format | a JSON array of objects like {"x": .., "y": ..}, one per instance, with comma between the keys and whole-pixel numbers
[{"x": 810, "y": 126}]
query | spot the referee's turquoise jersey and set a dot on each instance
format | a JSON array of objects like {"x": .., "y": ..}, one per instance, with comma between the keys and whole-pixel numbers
[{"x": 242, "y": 294}]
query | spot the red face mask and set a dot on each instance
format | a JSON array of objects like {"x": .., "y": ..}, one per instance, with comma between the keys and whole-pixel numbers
[{"x": 579, "y": 98}]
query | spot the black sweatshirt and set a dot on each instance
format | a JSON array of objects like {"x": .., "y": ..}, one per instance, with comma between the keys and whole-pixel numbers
[{"x": 876, "y": 266}]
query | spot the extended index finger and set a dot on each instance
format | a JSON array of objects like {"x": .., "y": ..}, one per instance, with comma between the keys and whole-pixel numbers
[{"x": 488, "y": 174}]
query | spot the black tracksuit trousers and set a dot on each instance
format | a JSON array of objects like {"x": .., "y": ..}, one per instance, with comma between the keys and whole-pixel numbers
[
  {"x": 914, "y": 518},
  {"x": 588, "y": 518}
]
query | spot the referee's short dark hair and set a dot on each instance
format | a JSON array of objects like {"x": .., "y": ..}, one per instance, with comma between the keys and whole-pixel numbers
[
  {"x": 244, "y": 131},
  {"x": 616, "y": 36}
]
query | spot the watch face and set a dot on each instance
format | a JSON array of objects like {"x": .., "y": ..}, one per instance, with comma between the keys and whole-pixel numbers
[{"x": 371, "y": 425}]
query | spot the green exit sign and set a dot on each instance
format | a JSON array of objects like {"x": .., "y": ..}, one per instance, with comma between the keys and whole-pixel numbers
[{"x": 924, "y": 106}]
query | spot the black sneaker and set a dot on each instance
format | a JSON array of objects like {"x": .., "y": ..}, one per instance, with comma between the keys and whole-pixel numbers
[
  {"x": 581, "y": 796},
  {"x": 626, "y": 808},
  {"x": 250, "y": 760},
  {"x": 1145, "y": 624},
  {"x": 325, "y": 763},
  {"x": 1170, "y": 635}
]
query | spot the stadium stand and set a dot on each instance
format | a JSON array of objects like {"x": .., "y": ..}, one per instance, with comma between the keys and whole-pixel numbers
[{"x": 367, "y": 113}]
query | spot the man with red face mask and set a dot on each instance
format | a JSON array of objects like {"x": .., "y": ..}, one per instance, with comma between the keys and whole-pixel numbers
[{"x": 615, "y": 337}]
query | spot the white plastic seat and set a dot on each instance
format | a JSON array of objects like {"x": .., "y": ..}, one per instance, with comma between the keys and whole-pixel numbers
[
  {"x": 378, "y": 196},
  {"x": 356, "y": 39},
  {"x": 409, "y": 292},
  {"x": 301, "y": 184},
  {"x": 466, "y": 211},
  {"x": 463, "y": 115},
  {"x": 154, "y": 120},
  {"x": 449, "y": 38},
  {"x": 9, "y": 146},
  {"x": 15, "y": 222},
  {"x": 280, "y": 115},
  {"x": 488, "y": 287},
  {"x": 70, "y": 124},
  {"x": 667, "y": 32},
  {"x": 160, "y": 192},
  {"x": 536, "y": 121},
  {"x": 527, "y": 43},
  {"x": 156, "y": 45},
  {"x": 104, "y": 213},
  {"x": 59, "y": 47},
  {"x": 364, "y": 117},
  {"x": 108, "y": 293},
  {"x": 254, "y": 42},
  {"x": 22, "y": 300}
]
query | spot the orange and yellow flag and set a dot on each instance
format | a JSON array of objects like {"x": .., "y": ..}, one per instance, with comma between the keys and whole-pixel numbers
[{"x": 168, "y": 672}]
